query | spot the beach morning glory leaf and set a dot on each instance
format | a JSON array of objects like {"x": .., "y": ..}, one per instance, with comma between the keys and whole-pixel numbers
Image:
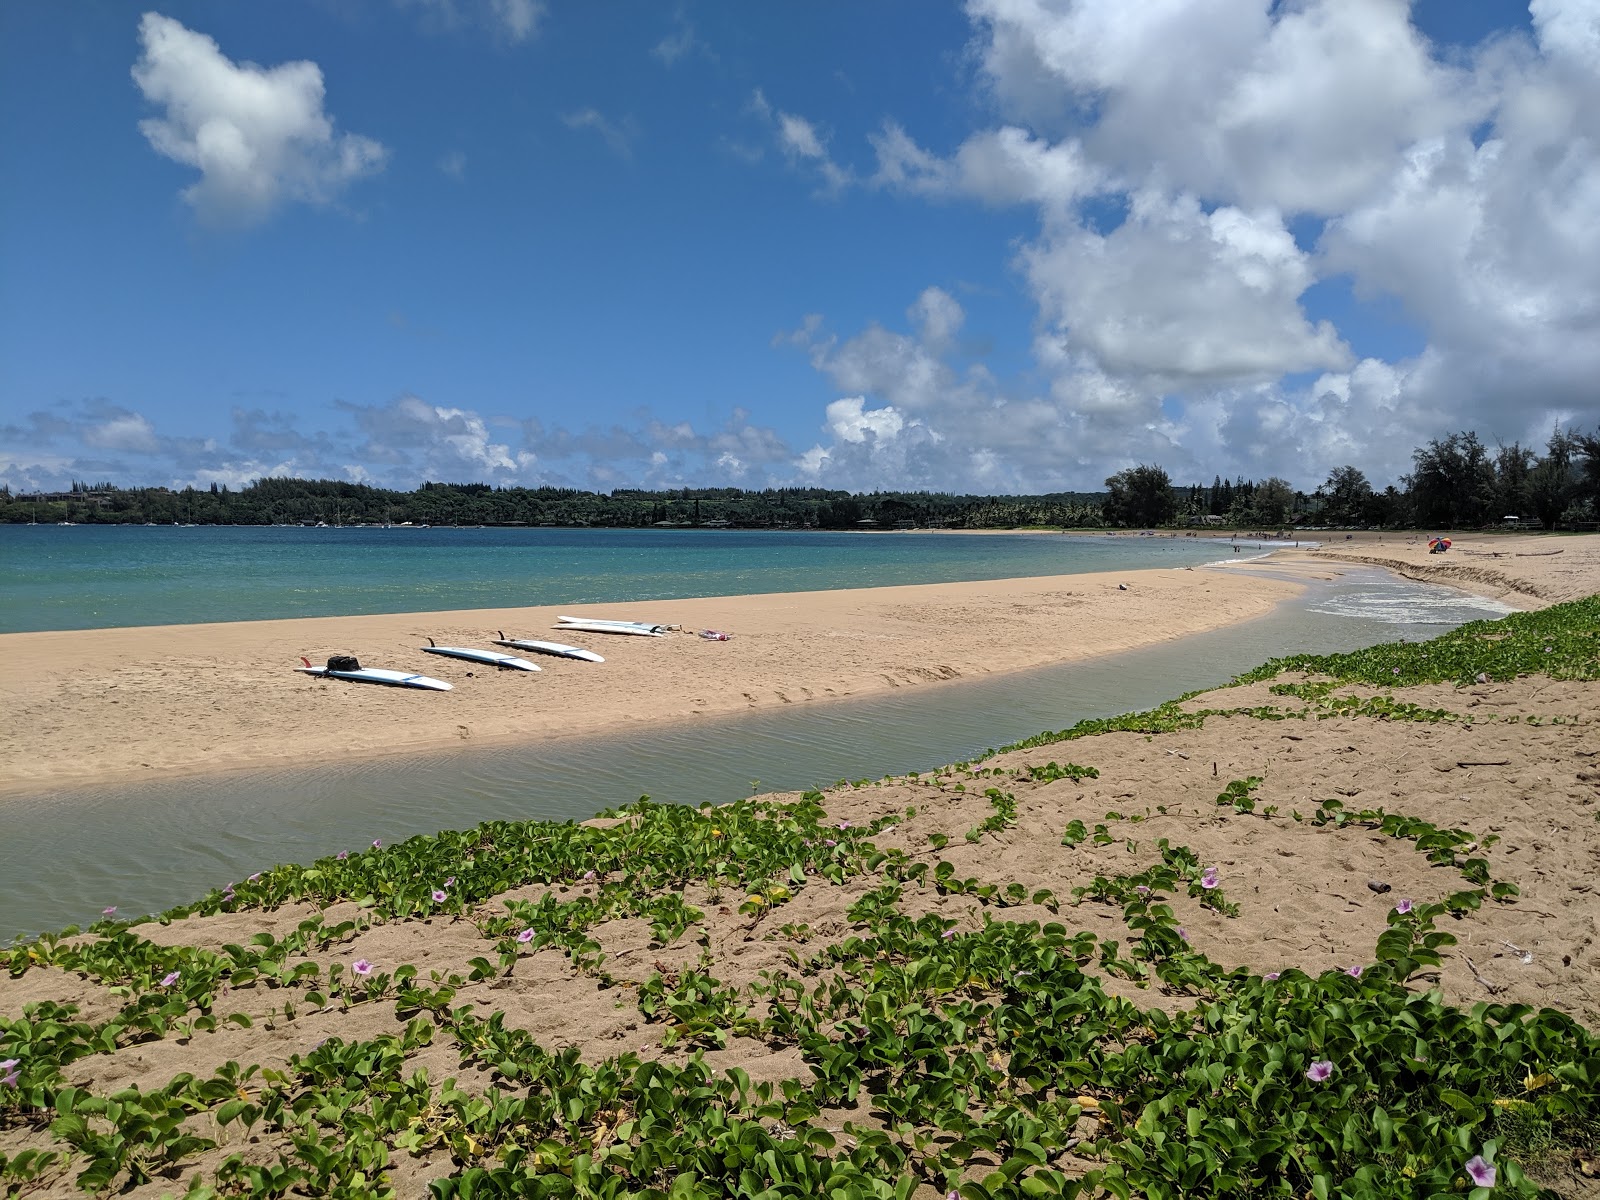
[
  {"x": 361, "y": 967},
  {"x": 1319, "y": 1071},
  {"x": 1483, "y": 1173}
]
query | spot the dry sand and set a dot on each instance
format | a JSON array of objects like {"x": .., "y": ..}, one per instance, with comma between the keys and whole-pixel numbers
[
  {"x": 1523, "y": 570},
  {"x": 106, "y": 704}
]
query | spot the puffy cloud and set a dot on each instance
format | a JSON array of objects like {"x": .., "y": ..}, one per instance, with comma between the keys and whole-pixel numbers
[
  {"x": 258, "y": 136},
  {"x": 122, "y": 430},
  {"x": 1182, "y": 294},
  {"x": 1301, "y": 108},
  {"x": 448, "y": 444},
  {"x": 1002, "y": 166},
  {"x": 1197, "y": 168}
]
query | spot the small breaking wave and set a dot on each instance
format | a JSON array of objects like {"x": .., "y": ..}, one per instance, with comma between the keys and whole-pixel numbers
[{"x": 1407, "y": 606}]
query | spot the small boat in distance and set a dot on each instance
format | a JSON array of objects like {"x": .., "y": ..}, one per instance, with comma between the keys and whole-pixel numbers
[
  {"x": 491, "y": 658},
  {"x": 359, "y": 674},
  {"x": 554, "y": 648}
]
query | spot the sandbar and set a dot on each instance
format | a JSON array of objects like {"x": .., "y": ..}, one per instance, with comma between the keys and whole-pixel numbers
[
  {"x": 104, "y": 705},
  {"x": 100, "y": 706}
]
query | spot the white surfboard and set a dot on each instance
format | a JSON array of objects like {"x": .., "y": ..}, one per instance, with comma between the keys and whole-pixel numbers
[
  {"x": 491, "y": 658},
  {"x": 405, "y": 679},
  {"x": 598, "y": 627},
  {"x": 653, "y": 627},
  {"x": 557, "y": 649}
]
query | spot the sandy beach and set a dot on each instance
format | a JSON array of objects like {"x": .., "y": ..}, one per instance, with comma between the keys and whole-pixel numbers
[
  {"x": 1526, "y": 571},
  {"x": 107, "y": 704},
  {"x": 1279, "y": 801}
]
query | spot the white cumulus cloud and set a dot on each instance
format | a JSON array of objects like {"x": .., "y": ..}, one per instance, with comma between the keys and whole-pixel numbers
[{"x": 258, "y": 136}]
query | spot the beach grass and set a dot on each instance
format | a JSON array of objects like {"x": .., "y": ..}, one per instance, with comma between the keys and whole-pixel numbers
[{"x": 856, "y": 992}]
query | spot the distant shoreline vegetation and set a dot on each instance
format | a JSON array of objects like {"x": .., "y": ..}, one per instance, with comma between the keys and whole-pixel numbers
[{"x": 1456, "y": 484}]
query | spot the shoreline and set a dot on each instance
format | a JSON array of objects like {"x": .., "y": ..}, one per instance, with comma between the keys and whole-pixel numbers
[{"x": 92, "y": 707}]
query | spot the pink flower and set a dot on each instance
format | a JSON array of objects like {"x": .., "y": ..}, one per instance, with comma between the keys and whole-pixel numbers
[
  {"x": 1142, "y": 890},
  {"x": 948, "y": 934},
  {"x": 343, "y": 854},
  {"x": 1270, "y": 975},
  {"x": 376, "y": 842},
  {"x": 844, "y": 825},
  {"x": 106, "y": 912},
  {"x": 1319, "y": 1070},
  {"x": 256, "y": 878},
  {"x": 170, "y": 979},
  {"x": 589, "y": 876},
  {"x": 1183, "y": 933},
  {"x": 10, "y": 1071},
  {"x": 1210, "y": 877},
  {"x": 1397, "y": 670},
  {"x": 1353, "y": 972},
  {"x": 451, "y": 882},
  {"x": 1403, "y": 907},
  {"x": 1483, "y": 1174},
  {"x": 361, "y": 967},
  {"x": 439, "y": 895},
  {"x": 525, "y": 936},
  {"x": 829, "y": 842}
]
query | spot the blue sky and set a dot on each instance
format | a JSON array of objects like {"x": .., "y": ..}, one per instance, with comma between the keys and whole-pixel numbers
[{"x": 994, "y": 246}]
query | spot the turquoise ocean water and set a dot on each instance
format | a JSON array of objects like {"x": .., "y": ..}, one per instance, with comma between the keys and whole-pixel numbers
[{"x": 98, "y": 576}]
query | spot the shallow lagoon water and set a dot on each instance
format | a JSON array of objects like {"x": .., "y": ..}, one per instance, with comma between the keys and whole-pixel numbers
[
  {"x": 147, "y": 846},
  {"x": 99, "y": 576}
]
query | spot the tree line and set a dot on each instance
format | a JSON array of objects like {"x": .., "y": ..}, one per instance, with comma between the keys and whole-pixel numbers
[
  {"x": 1457, "y": 482},
  {"x": 276, "y": 501}
]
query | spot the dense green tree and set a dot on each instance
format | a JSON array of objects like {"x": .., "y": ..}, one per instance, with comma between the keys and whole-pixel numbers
[
  {"x": 1140, "y": 496},
  {"x": 1452, "y": 485},
  {"x": 1272, "y": 503},
  {"x": 1346, "y": 495}
]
